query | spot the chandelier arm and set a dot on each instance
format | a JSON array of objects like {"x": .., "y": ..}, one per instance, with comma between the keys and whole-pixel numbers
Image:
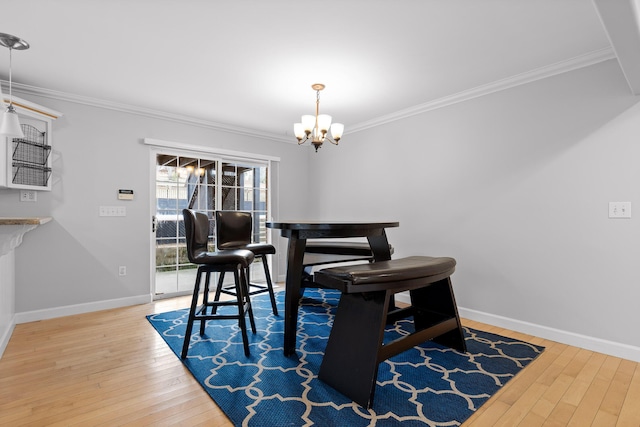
[
  {"x": 328, "y": 138},
  {"x": 302, "y": 141}
]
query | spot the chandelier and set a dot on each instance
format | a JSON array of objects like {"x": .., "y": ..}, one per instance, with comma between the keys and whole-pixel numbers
[
  {"x": 316, "y": 128},
  {"x": 10, "y": 125}
]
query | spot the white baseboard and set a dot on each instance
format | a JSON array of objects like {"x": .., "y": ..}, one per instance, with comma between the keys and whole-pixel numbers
[
  {"x": 611, "y": 348},
  {"x": 68, "y": 310},
  {"x": 6, "y": 336},
  {"x": 624, "y": 351}
]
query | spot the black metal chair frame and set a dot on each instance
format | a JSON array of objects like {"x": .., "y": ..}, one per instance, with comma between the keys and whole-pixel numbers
[
  {"x": 220, "y": 262},
  {"x": 258, "y": 251}
]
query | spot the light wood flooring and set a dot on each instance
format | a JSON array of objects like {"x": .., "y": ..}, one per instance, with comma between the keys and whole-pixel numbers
[{"x": 111, "y": 368}]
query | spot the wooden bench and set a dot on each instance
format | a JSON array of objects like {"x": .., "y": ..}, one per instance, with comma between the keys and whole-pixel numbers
[
  {"x": 355, "y": 347},
  {"x": 322, "y": 252}
]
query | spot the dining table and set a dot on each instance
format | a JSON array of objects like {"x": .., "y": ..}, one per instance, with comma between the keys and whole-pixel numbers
[{"x": 297, "y": 232}]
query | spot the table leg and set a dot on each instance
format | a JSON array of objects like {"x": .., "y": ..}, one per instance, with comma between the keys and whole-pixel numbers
[
  {"x": 381, "y": 252},
  {"x": 380, "y": 247},
  {"x": 295, "y": 255}
]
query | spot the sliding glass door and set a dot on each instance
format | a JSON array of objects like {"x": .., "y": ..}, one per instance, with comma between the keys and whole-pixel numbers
[{"x": 203, "y": 184}]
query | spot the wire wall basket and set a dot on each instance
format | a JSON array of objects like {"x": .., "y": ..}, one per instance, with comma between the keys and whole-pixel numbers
[
  {"x": 30, "y": 174},
  {"x": 30, "y": 158}
]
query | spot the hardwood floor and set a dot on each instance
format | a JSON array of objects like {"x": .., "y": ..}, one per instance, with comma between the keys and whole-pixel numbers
[{"x": 111, "y": 368}]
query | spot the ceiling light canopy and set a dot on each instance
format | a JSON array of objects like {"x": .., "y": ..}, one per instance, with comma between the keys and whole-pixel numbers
[
  {"x": 10, "y": 124},
  {"x": 316, "y": 128}
]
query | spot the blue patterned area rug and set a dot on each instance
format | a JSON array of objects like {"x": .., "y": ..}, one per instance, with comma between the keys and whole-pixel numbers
[{"x": 428, "y": 385}]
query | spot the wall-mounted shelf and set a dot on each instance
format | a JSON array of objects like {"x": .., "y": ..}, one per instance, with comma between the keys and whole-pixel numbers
[
  {"x": 30, "y": 158},
  {"x": 26, "y": 163}
]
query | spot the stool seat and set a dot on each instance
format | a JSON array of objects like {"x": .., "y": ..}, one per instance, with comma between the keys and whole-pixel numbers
[
  {"x": 260, "y": 249},
  {"x": 355, "y": 347},
  {"x": 233, "y": 256}
]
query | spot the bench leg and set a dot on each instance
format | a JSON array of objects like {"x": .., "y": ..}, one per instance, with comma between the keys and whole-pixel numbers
[
  {"x": 350, "y": 362},
  {"x": 434, "y": 304}
]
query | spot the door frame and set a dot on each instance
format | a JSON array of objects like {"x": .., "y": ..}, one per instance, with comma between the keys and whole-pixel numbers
[{"x": 157, "y": 146}]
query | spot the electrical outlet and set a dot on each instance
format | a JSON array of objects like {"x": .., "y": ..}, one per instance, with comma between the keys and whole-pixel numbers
[
  {"x": 28, "y": 196},
  {"x": 122, "y": 270}
]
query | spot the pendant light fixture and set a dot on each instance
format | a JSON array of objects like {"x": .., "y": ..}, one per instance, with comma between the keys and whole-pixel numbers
[
  {"x": 10, "y": 124},
  {"x": 316, "y": 127}
]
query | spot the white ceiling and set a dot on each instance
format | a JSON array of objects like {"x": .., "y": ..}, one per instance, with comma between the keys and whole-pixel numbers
[{"x": 250, "y": 63}]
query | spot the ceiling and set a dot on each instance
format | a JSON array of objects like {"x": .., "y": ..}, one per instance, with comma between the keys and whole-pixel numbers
[{"x": 249, "y": 64}]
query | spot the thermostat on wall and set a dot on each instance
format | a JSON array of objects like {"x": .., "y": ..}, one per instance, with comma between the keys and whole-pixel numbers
[{"x": 125, "y": 194}]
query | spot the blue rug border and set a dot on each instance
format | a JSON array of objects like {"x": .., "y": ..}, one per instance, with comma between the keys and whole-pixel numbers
[{"x": 310, "y": 301}]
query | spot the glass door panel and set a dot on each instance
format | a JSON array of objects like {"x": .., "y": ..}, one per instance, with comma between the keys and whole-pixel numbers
[
  {"x": 244, "y": 188},
  {"x": 181, "y": 182}
]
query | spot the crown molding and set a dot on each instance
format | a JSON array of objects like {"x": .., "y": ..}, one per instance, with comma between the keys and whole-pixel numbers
[
  {"x": 575, "y": 63},
  {"x": 146, "y": 112}
]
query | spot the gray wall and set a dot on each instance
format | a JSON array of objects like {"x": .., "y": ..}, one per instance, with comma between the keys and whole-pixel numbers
[
  {"x": 74, "y": 259},
  {"x": 515, "y": 185}
]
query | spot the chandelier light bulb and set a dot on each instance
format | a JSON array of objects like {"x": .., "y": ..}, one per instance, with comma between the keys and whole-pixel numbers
[
  {"x": 324, "y": 122},
  {"x": 298, "y": 131},
  {"x": 336, "y": 131},
  {"x": 308, "y": 123}
]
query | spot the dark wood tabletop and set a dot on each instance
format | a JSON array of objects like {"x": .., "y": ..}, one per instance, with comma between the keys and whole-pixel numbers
[{"x": 298, "y": 231}]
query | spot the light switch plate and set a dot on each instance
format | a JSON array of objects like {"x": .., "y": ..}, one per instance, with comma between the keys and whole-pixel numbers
[
  {"x": 112, "y": 211},
  {"x": 619, "y": 209}
]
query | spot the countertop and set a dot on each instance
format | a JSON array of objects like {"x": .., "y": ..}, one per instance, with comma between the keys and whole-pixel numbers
[{"x": 24, "y": 220}]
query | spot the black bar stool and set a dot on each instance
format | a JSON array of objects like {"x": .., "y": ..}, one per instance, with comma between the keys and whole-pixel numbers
[
  {"x": 235, "y": 261},
  {"x": 233, "y": 231}
]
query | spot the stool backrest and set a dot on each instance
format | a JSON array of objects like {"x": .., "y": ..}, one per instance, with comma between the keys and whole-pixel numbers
[
  {"x": 196, "y": 226},
  {"x": 233, "y": 229}
]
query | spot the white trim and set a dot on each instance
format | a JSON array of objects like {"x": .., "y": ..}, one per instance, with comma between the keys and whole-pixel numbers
[
  {"x": 147, "y": 112},
  {"x": 6, "y": 336},
  {"x": 153, "y": 160},
  {"x": 158, "y": 146},
  {"x": 581, "y": 61},
  {"x": 589, "y": 58},
  {"x": 612, "y": 348},
  {"x": 68, "y": 310},
  {"x": 226, "y": 154}
]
